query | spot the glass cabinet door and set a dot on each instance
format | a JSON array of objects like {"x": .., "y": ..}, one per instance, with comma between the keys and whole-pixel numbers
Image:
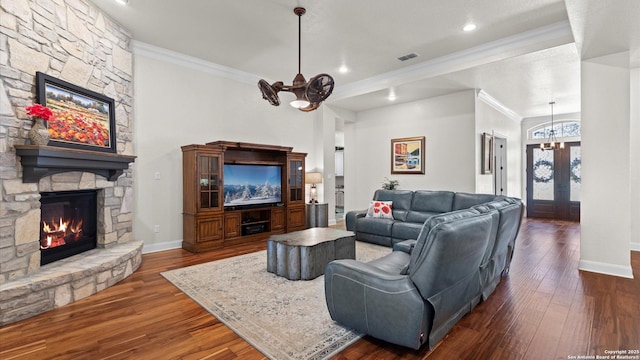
[
  {"x": 296, "y": 186},
  {"x": 209, "y": 177}
]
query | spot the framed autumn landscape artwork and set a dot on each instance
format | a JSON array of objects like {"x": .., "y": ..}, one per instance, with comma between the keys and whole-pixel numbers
[{"x": 82, "y": 119}]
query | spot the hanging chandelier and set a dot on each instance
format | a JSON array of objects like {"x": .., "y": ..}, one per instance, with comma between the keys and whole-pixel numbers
[
  {"x": 552, "y": 143},
  {"x": 309, "y": 95}
]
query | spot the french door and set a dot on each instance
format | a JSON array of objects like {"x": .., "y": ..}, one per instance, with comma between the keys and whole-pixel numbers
[{"x": 553, "y": 182}]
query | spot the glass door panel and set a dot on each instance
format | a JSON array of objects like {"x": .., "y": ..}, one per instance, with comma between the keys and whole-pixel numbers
[
  {"x": 543, "y": 173},
  {"x": 204, "y": 200},
  {"x": 295, "y": 180},
  {"x": 209, "y": 170},
  {"x": 575, "y": 163}
]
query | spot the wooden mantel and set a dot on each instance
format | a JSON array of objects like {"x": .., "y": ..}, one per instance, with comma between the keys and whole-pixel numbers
[{"x": 39, "y": 161}]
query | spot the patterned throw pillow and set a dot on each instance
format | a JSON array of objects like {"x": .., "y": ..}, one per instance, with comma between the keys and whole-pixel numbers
[{"x": 380, "y": 209}]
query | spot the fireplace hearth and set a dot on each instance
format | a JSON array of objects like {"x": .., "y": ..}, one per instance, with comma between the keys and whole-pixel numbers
[{"x": 68, "y": 224}]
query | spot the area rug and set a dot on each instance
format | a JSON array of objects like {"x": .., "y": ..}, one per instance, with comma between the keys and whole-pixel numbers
[{"x": 282, "y": 319}]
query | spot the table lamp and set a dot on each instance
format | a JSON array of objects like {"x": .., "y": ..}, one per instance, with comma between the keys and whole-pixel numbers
[{"x": 313, "y": 178}]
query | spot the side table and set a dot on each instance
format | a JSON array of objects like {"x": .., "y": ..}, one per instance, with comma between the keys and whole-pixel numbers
[{"x": 317, "y": 215}]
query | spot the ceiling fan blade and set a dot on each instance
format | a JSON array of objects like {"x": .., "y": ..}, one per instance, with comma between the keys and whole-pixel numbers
[
  {"x": 269, "y": 92},
  {"x": 319, "y": 88}
]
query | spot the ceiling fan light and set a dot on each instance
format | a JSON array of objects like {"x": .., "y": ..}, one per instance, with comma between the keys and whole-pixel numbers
[{"x": 300, "y": 103}]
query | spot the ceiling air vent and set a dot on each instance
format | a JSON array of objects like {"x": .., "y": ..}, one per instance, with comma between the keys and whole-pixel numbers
[{"x": 408, "y": 56}]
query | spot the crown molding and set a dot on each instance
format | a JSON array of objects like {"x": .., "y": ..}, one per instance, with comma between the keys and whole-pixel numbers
[
  {"x": 496, "y": 104},
  {"x": 162, "y": 54},
  {"x": 551, "y": 35}
]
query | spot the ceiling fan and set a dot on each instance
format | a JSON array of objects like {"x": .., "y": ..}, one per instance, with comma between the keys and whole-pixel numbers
[{"x": 309, "y": 94}]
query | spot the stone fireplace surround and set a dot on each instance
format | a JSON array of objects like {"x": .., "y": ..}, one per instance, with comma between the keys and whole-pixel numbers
[
  {"x": 75, "y": 41},
  {"x": 68, "y": 280}
]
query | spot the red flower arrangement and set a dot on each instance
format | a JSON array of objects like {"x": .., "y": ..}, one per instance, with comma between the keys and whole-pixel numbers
[{"x": 40, "y": 111}]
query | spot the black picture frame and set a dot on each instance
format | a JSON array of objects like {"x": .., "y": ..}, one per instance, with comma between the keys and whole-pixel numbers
[
  {"x": 487, "y": 153},
  {"x": 83, "y": 119}
]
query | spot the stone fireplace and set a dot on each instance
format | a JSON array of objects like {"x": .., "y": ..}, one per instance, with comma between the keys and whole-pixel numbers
[{"x": 75, "y": 41}]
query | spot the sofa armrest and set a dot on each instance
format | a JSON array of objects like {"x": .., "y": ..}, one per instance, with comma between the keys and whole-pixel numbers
[
  {"x": 404, "y": 246},
  {"x": 350, "y": 218},
  {"x": 383, "y": 305}
]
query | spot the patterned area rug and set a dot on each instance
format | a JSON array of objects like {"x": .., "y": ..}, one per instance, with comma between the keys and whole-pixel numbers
[{"x": 281, "y": 318}]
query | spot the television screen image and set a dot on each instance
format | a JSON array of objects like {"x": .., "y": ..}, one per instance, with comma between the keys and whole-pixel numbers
[{"x": 252, "y": 184}]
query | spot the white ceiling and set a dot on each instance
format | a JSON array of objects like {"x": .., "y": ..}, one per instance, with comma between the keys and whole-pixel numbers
[{"x": 522, "y": 53}]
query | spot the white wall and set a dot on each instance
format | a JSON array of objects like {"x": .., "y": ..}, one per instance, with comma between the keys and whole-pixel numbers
[
  {"x": 634, "y": 160},
  {"x": 491, "y": 121},
  {"x": 606, "y": 193},
  {"x": 448, "y": 124},
  {"x": 177, "y": 105}
]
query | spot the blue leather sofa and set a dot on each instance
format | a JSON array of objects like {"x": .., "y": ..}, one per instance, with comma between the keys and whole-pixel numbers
[
  {"x": 414, "y": 295},
  {"x": 410, "y": 210}
]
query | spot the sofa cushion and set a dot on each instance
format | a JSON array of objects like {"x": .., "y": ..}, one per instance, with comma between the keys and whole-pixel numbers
[
  {"x": 375, "y": 239},
  {"x": 405, "y": 230},
  {"x": 433, "y": 222},
  {"x": 432, "y": 201},
  {"x": 497, "y": 261},
  {"x": 406, "y": 246},
  {"x": 395, "y": 263},
  {"x": 401, "y": 201},
  {"x": 420, "y": 216},
  {"x": 454, "y": 249},
  {"x": 380, "y": 227},
  {"x": 380, "y": 209},
  {"x": 466, "y": 200}
]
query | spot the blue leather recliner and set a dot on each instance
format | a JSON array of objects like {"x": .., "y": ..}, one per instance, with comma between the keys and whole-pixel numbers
[{"x": 414, "y": 295}]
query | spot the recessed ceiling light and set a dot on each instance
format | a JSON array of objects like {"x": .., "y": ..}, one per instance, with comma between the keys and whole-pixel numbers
[
  {"x": 469, "y": 27},
  {"x": 343, "y": 69},
  {"x": 122, "y": 2},
  {"x": 392, "y": 95}
]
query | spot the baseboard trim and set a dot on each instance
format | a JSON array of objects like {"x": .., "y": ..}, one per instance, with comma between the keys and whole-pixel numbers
[
  {"x": 607, "y": 269},
  {"x": 167, "y": 245},
  {"x": 635, "y": 246}
]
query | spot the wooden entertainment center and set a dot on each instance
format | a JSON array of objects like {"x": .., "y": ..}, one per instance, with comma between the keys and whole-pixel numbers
[{"x": 209, "y": 224}]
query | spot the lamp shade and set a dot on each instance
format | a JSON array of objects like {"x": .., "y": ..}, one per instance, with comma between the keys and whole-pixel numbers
[{"x": 313, "y": 178}]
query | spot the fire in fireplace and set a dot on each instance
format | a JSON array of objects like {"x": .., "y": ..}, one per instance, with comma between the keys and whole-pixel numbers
[{"x": 68, "y": 224}]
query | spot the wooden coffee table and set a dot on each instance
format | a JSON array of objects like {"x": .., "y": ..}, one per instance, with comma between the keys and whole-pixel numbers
[{"x": 303, "y": 255}]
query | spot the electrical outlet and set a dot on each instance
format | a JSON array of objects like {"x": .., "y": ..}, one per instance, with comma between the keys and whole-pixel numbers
[
  {"x": 156, "y": 228},
  {"x": 156, "y": 175}
]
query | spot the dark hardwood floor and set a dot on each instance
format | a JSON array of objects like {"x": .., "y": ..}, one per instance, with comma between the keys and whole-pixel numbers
[{"x": 543, "y": 309}]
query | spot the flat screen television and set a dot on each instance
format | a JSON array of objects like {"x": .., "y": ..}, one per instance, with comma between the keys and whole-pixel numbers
[{"x": 251, "y": 185}]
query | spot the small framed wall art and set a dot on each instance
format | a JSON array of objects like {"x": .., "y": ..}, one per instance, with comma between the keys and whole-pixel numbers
[
  {"x": 487, "y": 153},
  {"x": 407, "y": 155},
  {"x": 82, "y": 119}
]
